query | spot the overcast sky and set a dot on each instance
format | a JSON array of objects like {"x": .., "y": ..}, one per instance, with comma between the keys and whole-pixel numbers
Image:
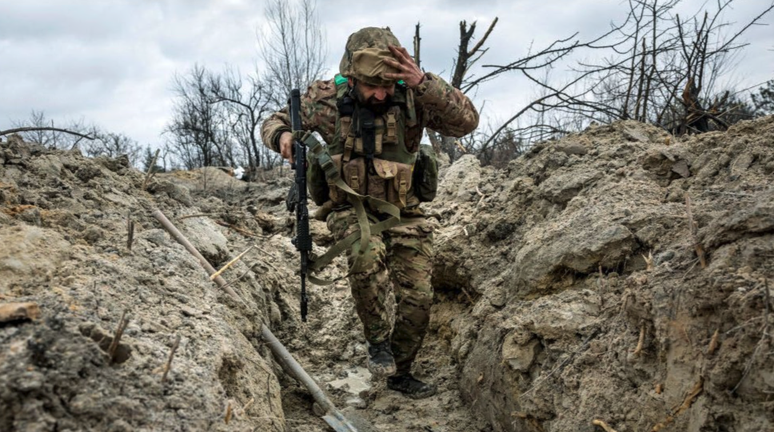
[{"x": 111, "y": 62}]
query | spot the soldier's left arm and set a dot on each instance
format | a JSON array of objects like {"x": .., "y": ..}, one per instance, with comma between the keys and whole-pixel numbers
[{"x": 446, "y": 109}]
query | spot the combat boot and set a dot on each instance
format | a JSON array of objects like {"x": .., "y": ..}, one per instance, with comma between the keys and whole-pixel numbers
[
  {"x": 410, "y": 386},
  {"x": 380, "y": 360}
]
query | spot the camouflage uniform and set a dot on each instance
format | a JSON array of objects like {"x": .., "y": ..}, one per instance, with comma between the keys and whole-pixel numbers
[{"x": 403, "y": 254}]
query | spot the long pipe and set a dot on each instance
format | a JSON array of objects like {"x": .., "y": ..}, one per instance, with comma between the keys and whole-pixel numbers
[
  {"x": 291, "y": 365},
  {"x": 173, "y": 231},
  {"x": 333, "y": 416}
]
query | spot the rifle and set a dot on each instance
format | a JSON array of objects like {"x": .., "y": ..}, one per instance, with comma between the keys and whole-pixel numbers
[{"x": 296, "y": 200}]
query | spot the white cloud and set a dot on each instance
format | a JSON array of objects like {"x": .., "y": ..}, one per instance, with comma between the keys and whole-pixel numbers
[{"x": 112, "y": 63}]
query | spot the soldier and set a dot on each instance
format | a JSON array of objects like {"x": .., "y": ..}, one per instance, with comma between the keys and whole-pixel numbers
[{"x": 372, "y": 117}]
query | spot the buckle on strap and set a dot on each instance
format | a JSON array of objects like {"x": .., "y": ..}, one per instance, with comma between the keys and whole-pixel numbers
[{"x": 392, "y": 125}]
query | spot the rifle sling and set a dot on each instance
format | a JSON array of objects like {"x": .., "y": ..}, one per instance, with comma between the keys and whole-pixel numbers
[{"x": 357, "y": 201}]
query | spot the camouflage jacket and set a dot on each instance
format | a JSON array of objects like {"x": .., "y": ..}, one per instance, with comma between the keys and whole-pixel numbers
[{"x": 438, "y": 106}]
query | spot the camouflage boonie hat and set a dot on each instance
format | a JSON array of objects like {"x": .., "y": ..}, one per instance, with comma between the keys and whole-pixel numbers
[{"x": 364, "y": 54}]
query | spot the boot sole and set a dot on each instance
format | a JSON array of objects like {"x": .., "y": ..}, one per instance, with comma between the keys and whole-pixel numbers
[
  {"x": 381, "y": 371},
  {"x": 417, "y": 395}
]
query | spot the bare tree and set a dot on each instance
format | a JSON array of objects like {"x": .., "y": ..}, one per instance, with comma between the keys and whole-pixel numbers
[
  {"x": 246, "y": 102},
  {"x": 466, "y": 58},
  {"x": 196, "y": 133},
  {"x": 654, "y": 66},
  {"x": 763, "y": 101},
  {"x": 114, "y": 145},
  {"x": 292, "y": 47}
]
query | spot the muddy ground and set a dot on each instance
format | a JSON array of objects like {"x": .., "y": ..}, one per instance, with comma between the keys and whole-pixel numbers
[{"x": 568, "y": 290}]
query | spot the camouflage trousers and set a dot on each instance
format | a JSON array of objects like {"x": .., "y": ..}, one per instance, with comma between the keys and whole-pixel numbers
[{"x": 403, "y": 256}]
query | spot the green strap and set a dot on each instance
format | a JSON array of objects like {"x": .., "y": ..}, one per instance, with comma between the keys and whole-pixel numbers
[
  {"x": 357, "y": 201},
  {"x": 344, "y": 244}
]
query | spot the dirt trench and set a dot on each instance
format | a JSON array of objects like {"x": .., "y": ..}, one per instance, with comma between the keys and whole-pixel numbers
[{"x": 568, "y": 290}]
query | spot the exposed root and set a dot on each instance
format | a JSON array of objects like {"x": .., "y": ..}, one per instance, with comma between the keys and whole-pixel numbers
[
  {"x": 648, "y": 261},
  {"x": 692, "y": 228},
  {"x": 151, "y": 171},
  {"x": 638, "y": 350},
  {"x": 117, "y": 337},
  {"x": 687, "y": 402},
  {"x": 242, "y": 231},
  {"x": 713, "y": 345},
  {"x": 168, "y": 366},
  {"x": 603, "y": 425},
  {"x": 228, "y": 413}
]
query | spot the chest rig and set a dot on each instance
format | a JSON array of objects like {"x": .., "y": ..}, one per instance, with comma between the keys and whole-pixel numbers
[{"x": 370, "y": 149}]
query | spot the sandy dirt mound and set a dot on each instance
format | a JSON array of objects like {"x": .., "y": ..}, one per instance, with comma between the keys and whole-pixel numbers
[
  {"x": 63, "y": 225},
  {"x": 568, "y": 289},
  {"x": 586, "y": 296}
]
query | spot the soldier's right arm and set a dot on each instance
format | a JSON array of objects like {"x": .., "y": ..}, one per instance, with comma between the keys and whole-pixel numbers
[
  {"x": 273, "y": 127},
  {"x": 318, "y": 114}
]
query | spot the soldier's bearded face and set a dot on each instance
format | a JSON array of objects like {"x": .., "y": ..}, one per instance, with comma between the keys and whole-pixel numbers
[{"x": 377, "y": 98}]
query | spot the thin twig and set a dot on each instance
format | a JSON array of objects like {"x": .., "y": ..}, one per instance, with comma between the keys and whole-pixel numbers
[
  {"x": 713, "y": 346},
  {"x": 230, "y": 263},
  {"x": 603, "y": 425},
  {"x": 122, "y": 323},
  {"x": 237, "y": 229},
  {"x": 130, "y": 230},
  {"x": 743, "y": 325},
  {"x": 689, "y": 270},
  {"x": 692, "y": 227},
  {"x": 228, "y": 413},
  {"x": 168, "y": 366},
  {"x": 766, "y": 299},
  {"x": 243, "y": 411},
  {"x": 735, "y": 194},
  {"x": 151, "y": 170},
  {"x": 35, "y": 128},
  {"x": 600, "y": 287},
  {"x": 638, "y": 350},
  {"x": 195, "y": 215}
]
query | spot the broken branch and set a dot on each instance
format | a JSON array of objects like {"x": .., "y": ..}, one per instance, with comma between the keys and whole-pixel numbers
[
  {"x": 150, "y": 170},
  {"x": 692, "y": 228},
  {"x": 168, "y": 366},
  {"x": 117, "y": 337},
  {"x": 230, "y": 263},
  {"x": 130, "y": 231},
  {"x": 637, "y": 351},
  {"x": 228, "y": 413},
  {"x": 603, "y": 425},
  {"x": 235, "y": 228},
  {"x": 713, "y": 345},
  {"x": 32, "y": 129}
]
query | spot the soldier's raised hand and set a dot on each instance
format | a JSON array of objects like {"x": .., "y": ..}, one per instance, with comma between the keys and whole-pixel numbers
[{"x": 409, "y": 71}]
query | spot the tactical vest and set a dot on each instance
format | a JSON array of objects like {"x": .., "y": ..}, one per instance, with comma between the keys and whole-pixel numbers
[
  {"x": 382, "y": 169},
  {"x": 389, "y": 170},
  {"x": 384, "y": 176}
]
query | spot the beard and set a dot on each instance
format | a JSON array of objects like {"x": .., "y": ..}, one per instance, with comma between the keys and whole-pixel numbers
[{"x": 378, "y": 107}]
